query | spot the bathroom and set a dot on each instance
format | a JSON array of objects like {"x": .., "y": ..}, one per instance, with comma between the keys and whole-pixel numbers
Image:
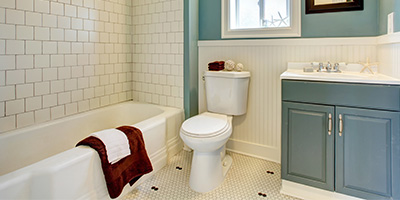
[{"x": 63, "y": 58}]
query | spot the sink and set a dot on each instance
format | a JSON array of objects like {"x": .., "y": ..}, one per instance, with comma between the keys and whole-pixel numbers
[{"x": 295, "y": 72}]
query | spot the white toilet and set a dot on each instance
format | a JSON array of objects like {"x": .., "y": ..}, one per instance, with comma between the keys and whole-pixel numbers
[{"x": 208, "y": 132}]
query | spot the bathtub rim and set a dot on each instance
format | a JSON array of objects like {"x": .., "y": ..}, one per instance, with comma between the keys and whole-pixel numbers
[{"x": 75, "y": 116}]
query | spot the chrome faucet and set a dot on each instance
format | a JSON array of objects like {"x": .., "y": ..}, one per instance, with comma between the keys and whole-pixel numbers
[
  {"x": 329, "y": 67},
  {"x": 320, "y": 67},
  {"x": 336, "y": 68}
]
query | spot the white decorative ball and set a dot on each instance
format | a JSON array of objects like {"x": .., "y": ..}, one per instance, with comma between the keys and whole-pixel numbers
[
  {"x": 229, "y": 65},
  {"x": 239, "y": 67}
]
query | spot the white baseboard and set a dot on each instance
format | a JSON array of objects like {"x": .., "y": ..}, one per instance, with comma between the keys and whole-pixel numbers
[
  {"x": 254, "y": 150},
  {"x": 310, "y": 193}
]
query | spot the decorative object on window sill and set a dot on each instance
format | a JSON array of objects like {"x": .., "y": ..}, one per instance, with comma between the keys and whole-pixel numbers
[
  {"x": 350, "y": 5},
  {"x": 271, "y": 22},
  {"x": 282, "y": 20}
]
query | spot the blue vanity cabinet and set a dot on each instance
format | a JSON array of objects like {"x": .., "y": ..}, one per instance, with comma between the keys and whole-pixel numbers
[
  {"x": 361, "y": 156},
  {"x": 309, "y": 151},
  {"x": 367, "y": 153}
]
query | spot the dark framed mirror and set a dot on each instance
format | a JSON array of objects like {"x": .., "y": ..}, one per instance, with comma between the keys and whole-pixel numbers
[{"x": 322, "y": 6}]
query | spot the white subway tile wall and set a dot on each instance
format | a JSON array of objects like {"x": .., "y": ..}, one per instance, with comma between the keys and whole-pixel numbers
[
  {"x": 158, "y": 52},
  {"x": 62, "y": 57}
]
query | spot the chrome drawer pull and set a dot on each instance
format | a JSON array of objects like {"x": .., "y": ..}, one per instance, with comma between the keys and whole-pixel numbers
[
  {"x": 330, "y": 124},
  {"x": 340, "y": 125}
]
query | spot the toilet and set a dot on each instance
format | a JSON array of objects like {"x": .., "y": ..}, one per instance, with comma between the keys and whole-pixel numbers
[{"x": 208, "y": 132}]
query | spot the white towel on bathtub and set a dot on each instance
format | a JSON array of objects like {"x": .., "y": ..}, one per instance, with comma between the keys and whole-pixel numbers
[{"x": 116, "y": 142}]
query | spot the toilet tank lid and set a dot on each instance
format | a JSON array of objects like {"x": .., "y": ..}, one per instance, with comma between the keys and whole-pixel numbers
[{"x": 227, "y": 74}]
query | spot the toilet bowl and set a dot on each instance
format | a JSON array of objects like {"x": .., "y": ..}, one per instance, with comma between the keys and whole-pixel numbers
[{"x": 207, "y": 134}]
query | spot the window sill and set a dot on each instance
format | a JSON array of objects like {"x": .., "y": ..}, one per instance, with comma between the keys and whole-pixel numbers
[{"x": 261, "y": 33}]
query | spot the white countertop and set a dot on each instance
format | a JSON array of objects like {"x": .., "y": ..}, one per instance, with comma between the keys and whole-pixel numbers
[{"x": 349, "y": 74}]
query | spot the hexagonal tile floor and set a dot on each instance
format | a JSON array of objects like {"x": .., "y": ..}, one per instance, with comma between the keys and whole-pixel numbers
[{"x": 248, "y": 178}]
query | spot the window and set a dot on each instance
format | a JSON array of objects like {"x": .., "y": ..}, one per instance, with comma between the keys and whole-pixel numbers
[{"x": 260, "y": 18}]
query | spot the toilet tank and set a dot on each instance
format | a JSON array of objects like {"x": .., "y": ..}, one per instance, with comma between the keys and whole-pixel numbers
[{"x": 227, "y": 91}]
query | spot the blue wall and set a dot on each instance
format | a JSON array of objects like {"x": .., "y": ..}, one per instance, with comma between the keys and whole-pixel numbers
[
  {"x": 386, "y": 7},
  {"x": 210, "y": 19},
  {"x": 397, "y": 16},
  {"x": 339, "y": 24}
]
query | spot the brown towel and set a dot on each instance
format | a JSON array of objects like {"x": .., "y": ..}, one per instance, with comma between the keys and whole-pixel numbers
[
  {"x": 126, "y": 170},
  {"x": 216, "y": 66}
]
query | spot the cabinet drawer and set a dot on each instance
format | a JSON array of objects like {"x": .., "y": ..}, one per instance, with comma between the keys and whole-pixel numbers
[{"x": 383, "y": 97}]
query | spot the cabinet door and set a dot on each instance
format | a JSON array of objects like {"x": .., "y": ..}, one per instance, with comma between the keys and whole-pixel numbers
[
  {"x": 307, "y": 147},
  {"x": 367, "y": 153}
]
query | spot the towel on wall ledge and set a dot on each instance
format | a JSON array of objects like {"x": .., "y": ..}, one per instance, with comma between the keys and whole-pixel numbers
[
  {"x": 116, "y": 143},
  {"x": 126, "y": 170}
]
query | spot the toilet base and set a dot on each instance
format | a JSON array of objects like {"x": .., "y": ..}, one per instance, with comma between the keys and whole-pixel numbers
[
  {"x": 208, "y": 171},
  {"x": 186, "y": 148},
  {"x": 226, "y": 164}
]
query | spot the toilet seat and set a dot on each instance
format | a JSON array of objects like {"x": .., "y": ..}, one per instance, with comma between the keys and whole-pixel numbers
[{"x": 205, "y": 125}]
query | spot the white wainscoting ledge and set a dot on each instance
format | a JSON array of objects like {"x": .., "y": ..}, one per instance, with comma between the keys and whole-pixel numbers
[
  {"x": 389, "y": 38},
  {"x": 291, "y": 42}
]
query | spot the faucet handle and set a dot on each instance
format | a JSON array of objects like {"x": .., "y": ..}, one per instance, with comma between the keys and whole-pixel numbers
[
  {"x": 328, "y": 66},
  {"x": 320, "y": 67},
  {"x": 336, "y": 66}
]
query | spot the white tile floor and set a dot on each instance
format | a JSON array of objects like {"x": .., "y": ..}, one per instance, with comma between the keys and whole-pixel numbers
[{"x": 247, "y": 179}]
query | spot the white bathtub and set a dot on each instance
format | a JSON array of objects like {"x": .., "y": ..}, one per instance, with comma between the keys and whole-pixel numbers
[{"x": 40, "y": 162}]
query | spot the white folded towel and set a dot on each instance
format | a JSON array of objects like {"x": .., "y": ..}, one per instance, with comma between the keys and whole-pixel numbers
[{"x": 116, "y": 142}]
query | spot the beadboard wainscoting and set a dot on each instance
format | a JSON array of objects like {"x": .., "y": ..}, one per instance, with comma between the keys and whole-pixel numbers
[
  {"x": 258, "y": 133},
  {"x": 389, "y": 54}
]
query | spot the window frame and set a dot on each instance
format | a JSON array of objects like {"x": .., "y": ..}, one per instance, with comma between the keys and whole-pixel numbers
[{"x": 293, "y": 31}]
